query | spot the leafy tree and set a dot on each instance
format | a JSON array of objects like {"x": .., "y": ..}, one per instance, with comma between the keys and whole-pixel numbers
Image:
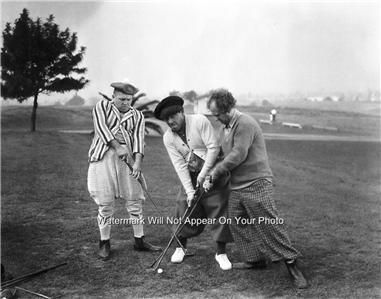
[
  {"x": 38, "y": 58},
  {"x": 190, "y": 95},
  {"x": 76, "y": 100},
  {"x": 266, "y": 103}
]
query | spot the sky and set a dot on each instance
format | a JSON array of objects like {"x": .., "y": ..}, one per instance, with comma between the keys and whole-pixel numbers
[{"x": 246, "y": 46}]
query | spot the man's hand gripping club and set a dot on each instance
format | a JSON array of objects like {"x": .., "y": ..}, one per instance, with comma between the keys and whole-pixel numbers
[{"x": 123, "y": 154}]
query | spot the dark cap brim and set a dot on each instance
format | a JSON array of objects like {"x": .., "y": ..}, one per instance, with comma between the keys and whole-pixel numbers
[{"x": 169, "y": 105}]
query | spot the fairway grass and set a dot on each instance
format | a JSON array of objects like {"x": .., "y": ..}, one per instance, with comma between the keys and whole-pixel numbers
[{"x": 327, "y": 192}]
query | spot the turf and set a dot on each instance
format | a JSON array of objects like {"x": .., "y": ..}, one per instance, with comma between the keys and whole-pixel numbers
[
  {"x": 327, "y": 192},
  {"x": 352, "y": 122}
]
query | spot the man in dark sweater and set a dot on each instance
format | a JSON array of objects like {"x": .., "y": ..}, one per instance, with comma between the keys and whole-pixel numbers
[{"x": 257, "y": 230}]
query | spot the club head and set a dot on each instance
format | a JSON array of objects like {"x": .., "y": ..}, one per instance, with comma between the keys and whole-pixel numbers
[{"x": 154, "y": 270}]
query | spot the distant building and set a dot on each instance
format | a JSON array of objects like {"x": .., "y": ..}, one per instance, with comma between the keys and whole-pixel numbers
[
  {"x": 315, "y": 99},
  {"x": 331, "y": 98},
  {"x": 200, "y": 105},
  {"x": 374, "y": 96}
]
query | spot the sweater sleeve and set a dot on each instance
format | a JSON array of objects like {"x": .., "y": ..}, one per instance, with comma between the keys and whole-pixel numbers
[
  {"x": 243, "y": 137},
  {"x": 179, "y": 164},
  {"x": 211, "y": 144}
]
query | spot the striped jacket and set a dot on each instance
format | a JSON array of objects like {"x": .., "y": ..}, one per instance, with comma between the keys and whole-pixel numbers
[{"x": 107, "y": 121}]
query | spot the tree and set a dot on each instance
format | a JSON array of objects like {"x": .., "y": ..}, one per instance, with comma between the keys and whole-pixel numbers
[
  {"x": 76, "y": 100},
  {"x": 174, "y": 93},
  {"x": 266, "y": 103},
  {"x": 38, "y": 58},
  {"x": 190, "y": 95}
]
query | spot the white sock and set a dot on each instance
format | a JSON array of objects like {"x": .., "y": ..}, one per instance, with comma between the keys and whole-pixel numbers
[
  {"x": 104, "y": 228},
  {"x": 138, "y": 230}
]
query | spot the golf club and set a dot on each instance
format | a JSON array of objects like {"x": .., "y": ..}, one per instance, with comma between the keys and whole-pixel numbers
[
  {"x": 33, "y": 293},
  {"x": 171, "y": 239},
  {"x": 158, "y": 261},
  {"x": 143, "y": 184},
  {"x": 11, "y": 283}
]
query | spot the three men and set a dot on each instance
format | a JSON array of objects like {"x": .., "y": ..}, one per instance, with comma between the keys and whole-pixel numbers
[
  {"x": 190, "y": 138},
  {"x": 245, "y": 156},
  {"x": 118, "y": 136}
]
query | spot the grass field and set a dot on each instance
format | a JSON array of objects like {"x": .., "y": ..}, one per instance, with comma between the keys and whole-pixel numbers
[
  {"x": 352, "y": 119},
  {"x": 327, "y": 192}
]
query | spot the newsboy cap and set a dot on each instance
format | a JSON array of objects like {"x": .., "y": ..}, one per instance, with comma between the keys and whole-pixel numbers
[
  {"x": 126, "y": 88},
  {"x": 168, "y": 106}
]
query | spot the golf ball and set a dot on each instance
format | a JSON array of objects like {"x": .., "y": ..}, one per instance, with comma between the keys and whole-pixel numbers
[{"x": 159, "y": 270}]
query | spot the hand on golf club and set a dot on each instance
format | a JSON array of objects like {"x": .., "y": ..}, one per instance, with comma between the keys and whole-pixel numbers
[
  {"x": 190, "y": 198},
  {"x": 208, "y": 184},
  {"x": 136, "y": 170},
  {"x": 200, "y": 181}
]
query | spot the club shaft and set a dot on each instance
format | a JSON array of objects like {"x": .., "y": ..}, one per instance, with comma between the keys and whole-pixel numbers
[
  {"x": 153, "y": 202},
  {"x": 14, "y": 281},
  {"x": 161, "y": 213},
  {"x": 34, "y": 293},
  {"x": 179, "y": 228},
  {"x": 173, "y": 235}
]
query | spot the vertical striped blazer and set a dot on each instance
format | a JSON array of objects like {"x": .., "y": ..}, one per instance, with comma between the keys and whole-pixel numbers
[{"x": 107, "y": 121}]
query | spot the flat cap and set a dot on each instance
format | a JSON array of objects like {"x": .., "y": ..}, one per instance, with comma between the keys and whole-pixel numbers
[
  {"x": 168, "y": 106},
  {"x": 124, "y": 87}
]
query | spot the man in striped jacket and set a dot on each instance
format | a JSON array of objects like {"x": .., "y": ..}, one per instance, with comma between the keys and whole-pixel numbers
[{"x": 118, "y": 136}]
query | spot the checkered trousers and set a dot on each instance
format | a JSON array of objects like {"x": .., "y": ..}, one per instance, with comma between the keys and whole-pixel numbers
[{"x": 257, "y": 241}]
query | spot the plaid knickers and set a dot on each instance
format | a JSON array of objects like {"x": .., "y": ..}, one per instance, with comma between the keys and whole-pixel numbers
[{"x": 258, "y": 241}]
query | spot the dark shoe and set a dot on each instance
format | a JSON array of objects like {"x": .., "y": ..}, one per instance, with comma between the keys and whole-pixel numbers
[
  {"x": 141, "y": 245},
  {"x": 250, "y": 265},
  {"x": 297, "y": 275},
  {"x": 104, "y": 249}
]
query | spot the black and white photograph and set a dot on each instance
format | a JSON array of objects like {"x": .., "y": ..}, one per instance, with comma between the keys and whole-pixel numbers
[{"x": 190, "y": 149}]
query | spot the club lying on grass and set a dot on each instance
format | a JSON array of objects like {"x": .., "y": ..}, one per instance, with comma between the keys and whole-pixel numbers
[
  {"x": 15, "y": 281},
  {"x": 155, "y": 265},
  {"x": 33, "y": 293},
  {"x": 144, "y": 187}
]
